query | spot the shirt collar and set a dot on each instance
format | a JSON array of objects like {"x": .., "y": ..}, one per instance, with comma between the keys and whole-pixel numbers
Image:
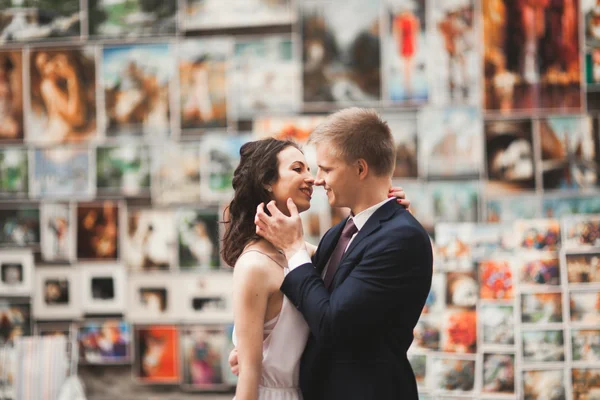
[{"x": 362, "y": 217}]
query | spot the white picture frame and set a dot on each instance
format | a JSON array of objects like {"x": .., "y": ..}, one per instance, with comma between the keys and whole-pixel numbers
[
  {"x": 151, "y": 297},
  {"x": 57, "y": 293},
  {"x": 205, "y": 297},
  {"x": 54, "y": 248},
  {"x": 16, "y": 272},
  {"x": 103, "y": 288}
]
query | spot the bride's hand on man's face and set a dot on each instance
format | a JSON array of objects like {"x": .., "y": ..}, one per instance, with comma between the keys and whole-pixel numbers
[{"x": 399, "y": 194}]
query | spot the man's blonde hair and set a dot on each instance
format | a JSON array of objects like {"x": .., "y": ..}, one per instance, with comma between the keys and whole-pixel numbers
[{"x": 355, "y": 133}]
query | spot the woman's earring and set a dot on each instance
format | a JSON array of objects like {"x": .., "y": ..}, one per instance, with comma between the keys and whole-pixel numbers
[{"x": 270, "y": 189}]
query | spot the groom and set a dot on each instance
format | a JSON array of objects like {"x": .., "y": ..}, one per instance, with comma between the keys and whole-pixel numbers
[{"x": 364, "y": 289}]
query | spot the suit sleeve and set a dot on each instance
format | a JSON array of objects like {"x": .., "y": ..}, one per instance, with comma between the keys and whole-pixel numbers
[{"x": 390, "y": 284}]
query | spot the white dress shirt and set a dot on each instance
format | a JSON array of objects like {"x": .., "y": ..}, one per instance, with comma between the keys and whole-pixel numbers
[{"x": 360, "y": 219}]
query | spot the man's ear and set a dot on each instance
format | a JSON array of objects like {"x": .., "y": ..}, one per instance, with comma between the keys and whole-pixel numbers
[{"x": 362, "y": 168}]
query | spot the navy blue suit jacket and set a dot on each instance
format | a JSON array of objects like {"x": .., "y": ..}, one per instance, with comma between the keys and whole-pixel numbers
[{"x": 360, "y": 332}]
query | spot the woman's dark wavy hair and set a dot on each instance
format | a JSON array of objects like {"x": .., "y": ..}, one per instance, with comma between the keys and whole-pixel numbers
[{"x": 258, "y": 168}]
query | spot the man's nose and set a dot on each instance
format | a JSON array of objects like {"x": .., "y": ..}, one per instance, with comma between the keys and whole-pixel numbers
[{"x": 319, "y": 182}]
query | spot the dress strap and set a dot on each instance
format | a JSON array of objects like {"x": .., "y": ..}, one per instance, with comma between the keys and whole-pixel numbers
[{"x": 261, "y": 252}]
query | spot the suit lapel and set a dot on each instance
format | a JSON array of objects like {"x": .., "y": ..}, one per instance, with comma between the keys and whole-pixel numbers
[
  {"x": 373, "y": 224},
  {"x": 329, "y": 241}
]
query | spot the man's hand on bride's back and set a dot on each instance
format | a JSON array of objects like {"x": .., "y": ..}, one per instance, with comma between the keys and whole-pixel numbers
[{"x": 233, "y": 362}]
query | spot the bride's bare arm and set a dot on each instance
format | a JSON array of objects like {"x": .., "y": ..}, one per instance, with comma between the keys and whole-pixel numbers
[{"x": 250, "y": 297}]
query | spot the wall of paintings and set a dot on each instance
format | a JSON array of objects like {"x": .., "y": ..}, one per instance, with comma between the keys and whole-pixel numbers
[{"x": 120, "y": 126}]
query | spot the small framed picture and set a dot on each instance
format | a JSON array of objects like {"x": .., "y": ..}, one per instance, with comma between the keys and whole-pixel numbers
[
  {"x": 538, "y": 234},
  {"x": 568, "y": 152},
  {"x": 583, "y": 269},
  {"x": 59, "y": 295},
  {"x": 129, "y": 112},
  {"x": 496, "y": 325},
  {"x": 451, "y": 373},
  {"x": 98, "y": 230},
  {"x": 14, "y": 172},
  {"x": 543, "y": 383},
  {"x": 123, "y": 170},
  {"x": 427, "y": 333},
  {"x": 206, "y": 297},
  {"x": 586, "y": 383},
  {"x": 450, "y": 143},
  {"x": 509, "y": 156},
  {"x": 496, "y": 278},
  {"x": 198, "y": 239},
  {"x": 498, "y": 373},
  {"x": 105, "y": 342},
  {"x": 16, "y": 320},
  {"x": 61, "y": 172},
  {"x": 256, "y": 87},
  {"x": 157, "y": 356},
  {"x": 219, "y": 156},
  {"x": 205, "y": 351},
  {"x": 58, "y": 233},
  {"x": 461, "y": 289},
  {"x": 453, "y": 246},
  {"x": 55, "y": 114},
  {"x": 16, "y": 272},
  {"x": 581, "y": 232},
  {"x": 103, "y": 288},
  {"x": 490, "y": 240},
  {"x": 538, "y": 269},
  {"x": 541, "y": 308},
  {"x": 176, "y": 173},
  {"x": 149, "y": 239},
  {"x": 151, "y": 297},
  {"x": 20, "y": 226},
  {"x": 585, "y": 307},
  {"x": 546, "y": 345},
  {"x": 459, "y": 331},
  {"x": 203, "y": 83},
  {"x": 585, "y": 345}
]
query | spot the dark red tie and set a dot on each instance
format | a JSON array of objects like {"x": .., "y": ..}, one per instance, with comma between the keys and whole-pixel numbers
[{"x": 349, "y": 230}]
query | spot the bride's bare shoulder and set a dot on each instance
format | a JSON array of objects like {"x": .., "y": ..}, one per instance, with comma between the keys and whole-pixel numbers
[{"x": 258, "y": 259}]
